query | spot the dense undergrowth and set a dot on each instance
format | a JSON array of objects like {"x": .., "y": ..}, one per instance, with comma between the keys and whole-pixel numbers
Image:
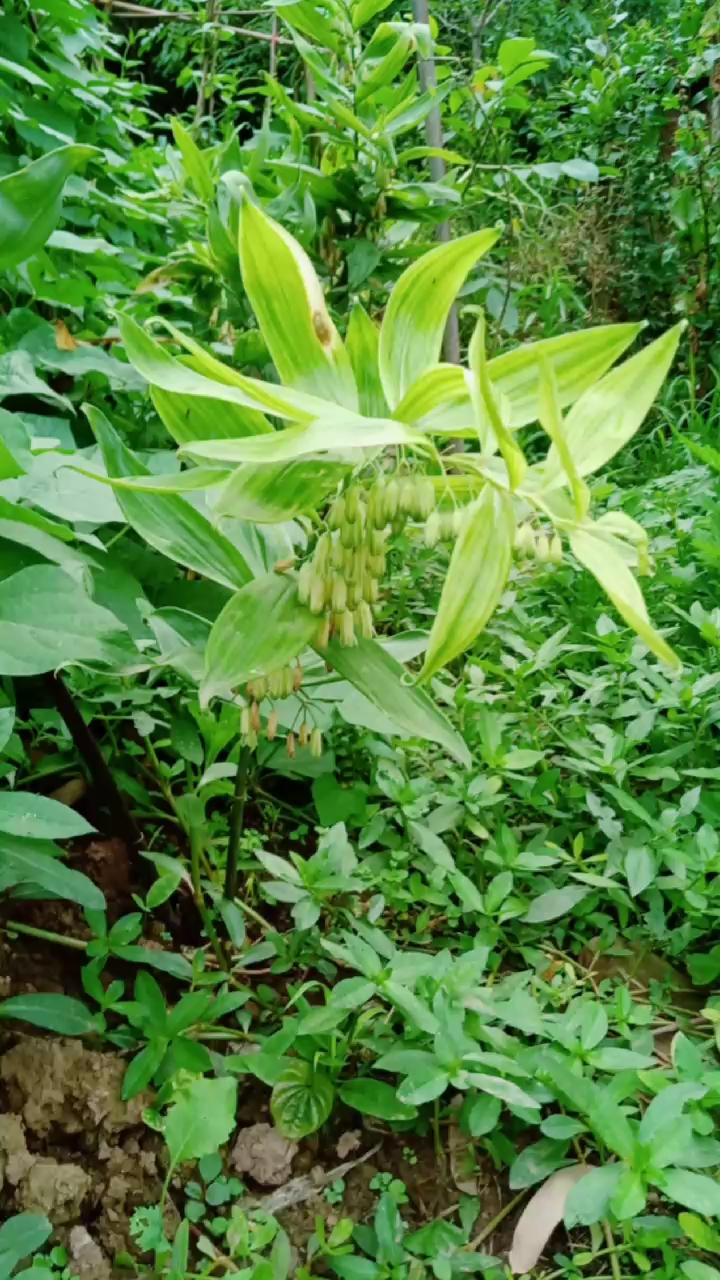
[{"x": 361, "y": 801}]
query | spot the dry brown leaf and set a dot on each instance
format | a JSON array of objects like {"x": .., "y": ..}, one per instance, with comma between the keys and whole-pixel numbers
[
  {"x": 64, "y": 340},
  {"x": 70, "y": 792},
  {"x": 541, "y": 1216},
  {"x": 463, "y": 1159}
]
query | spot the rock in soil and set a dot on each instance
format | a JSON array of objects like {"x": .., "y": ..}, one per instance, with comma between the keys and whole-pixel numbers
[
  {"x": 57, "y": 1190},
  {"x": 263, "y": 1153},
  {"x": 15, "y": 1159},
  {"x": 58, "y": 1083},
  {"x": 88, "y": 1260},
  {"x": 69, "y": 1100}
]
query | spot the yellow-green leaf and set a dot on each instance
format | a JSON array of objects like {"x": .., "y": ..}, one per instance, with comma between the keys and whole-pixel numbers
[
  {"x": 278, "y": 492},
  {"x": 288, "y": 300},
  {"x": 161, "y": 369},
  {"x": 387, "y": 69},
  {"x": 414, "y": 322},
  {"x": 577, "y": 360},
  {"x": 262, "y": 628},
  {"x": 339, "y": 433},
  {"x": 304, "y": 16},
  {"x": 364, "y": 10},
  {"x": 610, "y": 412},
  {"x": 362, "y": 344},
  {"x": 489, "y": 418},
  {"x": 478, "y": 571},
  {"x": 607, "y": 565},
  {"x": 196, "y": 418}
]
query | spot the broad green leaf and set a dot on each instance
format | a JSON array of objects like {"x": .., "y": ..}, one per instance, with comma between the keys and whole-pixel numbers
[
  {"x": 606, "y": 1118},
  {"x": 63, "y": 1014},
  {"x": 476, "y": 578},
  {"x": 701, "y": 1233},
  {"x": 288, "y": 300},
  {"x": 694, "y": 1269},
  {"x": 339, "y": 432},
  {"x": 616, "y": 579},
  {"x": 302, "y": 1099},
  {"x": 260, "y": 629},
  {"x": 362, "y": 344},
  {"x": 38, "y": 862},
  {"x": 22, "y": 813},
  {"x": 47, "y": 621},
  {"x": 423, "y": 1085},
  {"x": 511, "y": 1094},
  {"x": 201, "y": 1120},
  {"x": 619, "y": 1059},
  {"x": 161, "y": 369},
  {"x": 414, "y": 322},
  {"x": 607, "y": 415},
  {"x": 576, "y": 359},
  {"x": 142, "y": 1068},
  {"x": 279, "y": 491},
  {"x": 22, "y": 1234},
  {"x": 303, "y": 16},
  {"x": 382, "y": 679},
  {"x": 375, "y": 1098},
  {"x": 364, "y": 10},
  {"x": 167, "y": 521},
  {"x": 31, "y": 202},
  {"x": 387, "y": 69},
  {"x": 555, "y": 903},
  {"x": 589, "y": 1200},
  {"x": 693, "y": 1190},
  {"x": 195, "y": 162}
]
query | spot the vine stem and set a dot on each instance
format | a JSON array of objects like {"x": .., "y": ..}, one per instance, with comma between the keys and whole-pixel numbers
[{"x": 14, "y": 926}]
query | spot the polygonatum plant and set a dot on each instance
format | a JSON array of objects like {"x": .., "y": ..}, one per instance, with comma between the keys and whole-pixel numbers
[{"x": 358, "y": 439}]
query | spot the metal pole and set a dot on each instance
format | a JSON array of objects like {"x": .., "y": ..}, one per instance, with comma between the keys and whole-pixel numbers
[{"x": 434, "y": 136}]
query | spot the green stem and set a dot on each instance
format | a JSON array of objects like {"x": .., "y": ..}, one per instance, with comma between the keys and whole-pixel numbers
[
  {"x": 13, "y": 926},
  {"x": 494, "y": 1223},
  {"x": 237, "y": 822}
]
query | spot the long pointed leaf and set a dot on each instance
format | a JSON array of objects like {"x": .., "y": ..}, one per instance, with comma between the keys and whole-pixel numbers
[
  {"x": 576, "y": 359},
  {"x": 261, "y": 629},
  {"x": 167, "y": 521},
  {"x": 162, "y": 370},
  {"x": 414, "y": 323},
  {"x": 478, "y": 571},
  {"x": 362, "y": 343},
  {"x": 277, "y": 492},
  {"x": 611, "y": 411},
  {"x": 31, "y": 200},
  {"x": 287, "y": 299},
  {"x": 297, "y": 442},
  {"x": 381, "y": 678},
  {"x": 616, "y": 579}
]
